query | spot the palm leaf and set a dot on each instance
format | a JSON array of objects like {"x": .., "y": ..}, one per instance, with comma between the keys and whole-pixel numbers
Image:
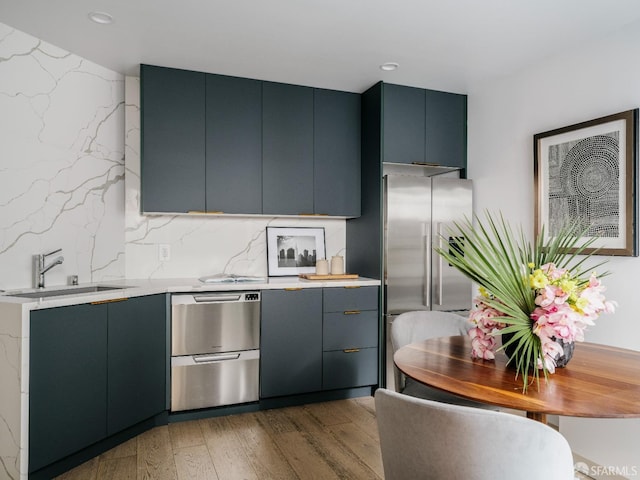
[{"x": 497, "y": 258}]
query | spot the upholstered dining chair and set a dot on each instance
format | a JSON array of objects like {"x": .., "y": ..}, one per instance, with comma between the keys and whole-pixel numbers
[
  {"x": 410, "y": 327},
  {"x": 426, "y": 440}
]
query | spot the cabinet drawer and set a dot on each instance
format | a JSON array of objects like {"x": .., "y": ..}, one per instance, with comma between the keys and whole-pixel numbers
[
  {"x": 357, "y": 330},
  {"x": 343, "y": 299},
  {"x": 349, "y": 369}
]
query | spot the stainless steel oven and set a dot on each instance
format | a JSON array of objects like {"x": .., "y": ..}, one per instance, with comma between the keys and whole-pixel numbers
[{"x": 215, "y": 356}]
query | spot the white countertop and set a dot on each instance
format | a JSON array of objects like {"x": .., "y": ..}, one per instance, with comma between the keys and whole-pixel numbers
[{"x": 138, "y": 288}]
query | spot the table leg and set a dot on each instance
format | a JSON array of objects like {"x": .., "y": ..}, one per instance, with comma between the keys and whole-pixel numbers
[{"x": 538, "y": 416}]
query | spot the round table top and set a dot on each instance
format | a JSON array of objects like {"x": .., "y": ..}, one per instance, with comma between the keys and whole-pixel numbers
[{"x": 599, "y": 381}]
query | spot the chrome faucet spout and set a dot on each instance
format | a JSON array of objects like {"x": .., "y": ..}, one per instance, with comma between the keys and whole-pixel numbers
[
  {"x": 57, "y": 261},
  {"x": 40, "y": 269}
]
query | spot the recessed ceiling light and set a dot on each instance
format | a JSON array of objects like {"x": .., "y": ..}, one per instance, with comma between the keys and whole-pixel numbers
[
  {"x": 101, "y": 17},
  {"x": 389, "y": 66}
]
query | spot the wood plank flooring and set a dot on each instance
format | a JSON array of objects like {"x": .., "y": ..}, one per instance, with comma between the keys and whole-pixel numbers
[{"x": 332, "y": 440}]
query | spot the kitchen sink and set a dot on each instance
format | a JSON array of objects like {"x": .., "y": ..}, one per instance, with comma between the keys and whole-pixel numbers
[{"x": 65, "y": 291}]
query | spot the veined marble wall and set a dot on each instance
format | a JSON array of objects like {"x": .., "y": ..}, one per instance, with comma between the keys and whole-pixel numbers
[
  {"x": 200, "y": 245},
  {"x": 61, "y": 163}
]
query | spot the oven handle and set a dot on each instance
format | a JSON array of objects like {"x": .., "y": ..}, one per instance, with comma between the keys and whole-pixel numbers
[
  {"x": 217, "y": 297},
  {"x": 216, "y": 357}
]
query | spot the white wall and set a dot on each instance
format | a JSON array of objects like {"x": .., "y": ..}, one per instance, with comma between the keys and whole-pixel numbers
[
  {"x": 61, "y": 163},
  {"x": 589, "y": 82}
]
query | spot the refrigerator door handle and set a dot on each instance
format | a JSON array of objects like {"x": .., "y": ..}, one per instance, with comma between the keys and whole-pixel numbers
[
  {"x": 427, "y": 266},
  {"x": 439, "y": 262}
]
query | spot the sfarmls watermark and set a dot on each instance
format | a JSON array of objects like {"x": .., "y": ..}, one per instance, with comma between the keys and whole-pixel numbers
[{"x": 607, "y": 470}]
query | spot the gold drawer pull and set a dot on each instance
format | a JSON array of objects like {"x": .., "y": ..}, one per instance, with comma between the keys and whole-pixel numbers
[
  {"x": 351, "y": 350},
  {"x": 109, "y": 301},
  {"x": 352, "y": 312},
  {"x": 293, "y": 289},
  {"x": 352, "y": 286}
]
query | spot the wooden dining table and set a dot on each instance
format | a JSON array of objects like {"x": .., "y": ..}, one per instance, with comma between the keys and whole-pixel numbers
[{"x": 600, "y": 381}]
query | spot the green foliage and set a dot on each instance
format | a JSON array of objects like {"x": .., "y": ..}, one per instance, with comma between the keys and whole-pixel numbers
[{"x": 499, "y": 259}]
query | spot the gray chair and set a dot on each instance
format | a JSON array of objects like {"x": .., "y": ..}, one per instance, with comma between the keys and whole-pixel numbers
[
  {"x": 421, "y": 439},
  {"x": 415, "y": 326}
]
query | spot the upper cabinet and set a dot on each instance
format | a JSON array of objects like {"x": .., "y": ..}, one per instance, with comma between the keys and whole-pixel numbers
[
  {"x": 287, "y": 149},
  {"x": 424, "y": 126},
  {"x": 336, "y": 153},
  {"x": 219, "y": 144},
  {"x": 173, "y": 140},
  {"x": 234, "y": 145}
]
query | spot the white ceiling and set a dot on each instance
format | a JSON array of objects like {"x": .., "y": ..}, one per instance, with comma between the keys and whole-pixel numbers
[{"x": 446, "y": 45}]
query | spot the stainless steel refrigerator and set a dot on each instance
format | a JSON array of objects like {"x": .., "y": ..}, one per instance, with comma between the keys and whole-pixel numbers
[{"x": 419, "y": 212}]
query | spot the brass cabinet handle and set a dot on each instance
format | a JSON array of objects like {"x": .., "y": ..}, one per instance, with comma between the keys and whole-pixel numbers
[
  {"x": 109, "y": 301},
  {"x": 352, "y": 286},
  {"x": 352, "y": 312},
  {"x": 292, "y": 289},
  {"x": 351, "y": 350}
]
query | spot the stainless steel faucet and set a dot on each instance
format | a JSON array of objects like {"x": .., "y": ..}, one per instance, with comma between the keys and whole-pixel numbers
[{"x": 40, "y": 269}]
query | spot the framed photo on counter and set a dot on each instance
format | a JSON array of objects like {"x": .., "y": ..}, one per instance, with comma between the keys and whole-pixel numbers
[{"x": 294, "y": 250}]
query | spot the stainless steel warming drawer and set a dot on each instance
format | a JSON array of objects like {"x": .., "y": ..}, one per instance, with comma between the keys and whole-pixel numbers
[{"x": 215, "y": 357}]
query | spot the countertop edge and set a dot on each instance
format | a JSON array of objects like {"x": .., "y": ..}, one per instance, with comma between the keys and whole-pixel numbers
[{"x": 142, "y": 287}]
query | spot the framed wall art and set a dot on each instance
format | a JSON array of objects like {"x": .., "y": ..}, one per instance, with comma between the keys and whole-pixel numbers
[
  {"x": 292, "y": 251},
  {"x": 586, "y": 173}
]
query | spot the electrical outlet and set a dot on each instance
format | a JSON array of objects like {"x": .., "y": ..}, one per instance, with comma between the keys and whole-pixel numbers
[{"x": 164, "y": 252}]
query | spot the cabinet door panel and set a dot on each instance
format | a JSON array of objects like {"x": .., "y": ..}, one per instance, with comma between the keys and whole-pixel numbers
[
  {"x": 403, "y": 124},
  {"x": 342, "y": 299},
  {"x": 446, "y": 128},
  {"x": 336, "y": 153},
  {"x": 173, "y": 140},
  {"x": 343, "y": 331},
  {"x": 234, "y": 145},
  {"x": 68, "y": 381},
  {"x": 137, "y": 361},
  {"x": 350, "y": 369},
  {"x": 287, "y": 149},
  {"x": 291, "y": 342}
]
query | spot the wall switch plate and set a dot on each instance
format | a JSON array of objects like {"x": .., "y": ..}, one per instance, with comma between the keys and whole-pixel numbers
[{"x": 164, "y": 252}]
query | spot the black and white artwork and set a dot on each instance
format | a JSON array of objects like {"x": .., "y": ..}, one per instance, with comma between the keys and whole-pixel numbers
[
  {"x": 292, "y": 251},
  {"x": 585, "y": 174}
]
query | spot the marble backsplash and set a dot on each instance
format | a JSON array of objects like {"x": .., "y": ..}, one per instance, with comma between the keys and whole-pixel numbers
[{"x": 61, "y": 163}]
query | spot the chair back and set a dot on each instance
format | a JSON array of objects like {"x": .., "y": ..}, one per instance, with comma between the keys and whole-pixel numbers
[
  {"x": 410, "y": 327},
  {"x": 423, "y": 439}
]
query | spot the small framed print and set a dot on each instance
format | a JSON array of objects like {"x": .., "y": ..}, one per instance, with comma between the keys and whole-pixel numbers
[
  {"x": 586, "y": 173},
  {"x": 292, "y": 251}
]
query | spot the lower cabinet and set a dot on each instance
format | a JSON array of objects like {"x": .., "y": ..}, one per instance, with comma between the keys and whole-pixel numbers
[
  {"x": 94, "y": 370},
  {"x": 290, "y": 342},
  {"x": 318, "y": 339},
  {"x": 350, "y": 337}
]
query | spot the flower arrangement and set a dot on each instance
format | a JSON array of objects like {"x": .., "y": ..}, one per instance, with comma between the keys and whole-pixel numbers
[{"x": 540, "y": 298}]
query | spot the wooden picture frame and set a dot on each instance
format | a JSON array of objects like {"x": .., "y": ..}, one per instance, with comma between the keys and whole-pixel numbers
[
  {"x": 294, "y": 250},
  {"x": 588, "y": 173}
]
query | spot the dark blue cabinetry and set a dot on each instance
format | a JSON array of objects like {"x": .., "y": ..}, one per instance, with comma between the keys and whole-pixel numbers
[
  {"x": 424, "y": 126},
  {"x": 95, "y": 370},
  {"x": 172, "y": 171},
  {"x": 291, "y": 342},
  {"x": 233, "y": 145},
  {"x": 350, "y": 337},
  {"x": 315, "y": 340},
  {"x": 336, "y": 153},
  {"x": 287, "y": 149},
  {"x": 242, "y": 146},
  {"x": 67, "y": 381}
]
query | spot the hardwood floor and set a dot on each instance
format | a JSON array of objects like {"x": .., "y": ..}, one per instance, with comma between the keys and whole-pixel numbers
[{"x": 332, "y": 440}]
